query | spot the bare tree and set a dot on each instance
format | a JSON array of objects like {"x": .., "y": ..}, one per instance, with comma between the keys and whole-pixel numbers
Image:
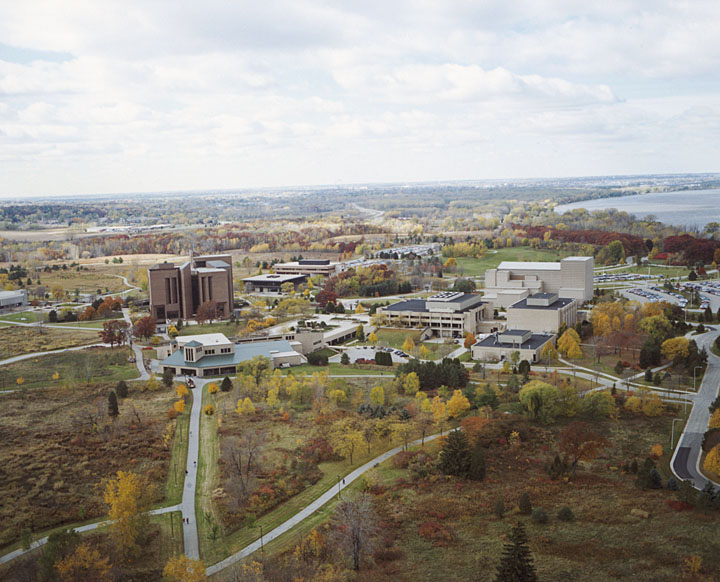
[
  {"x": 355, "y": 526},
  {"x": 243, "y": 454}
]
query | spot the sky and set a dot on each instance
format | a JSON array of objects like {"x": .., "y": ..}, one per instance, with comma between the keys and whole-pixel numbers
[{"x": 143, "y": 96}]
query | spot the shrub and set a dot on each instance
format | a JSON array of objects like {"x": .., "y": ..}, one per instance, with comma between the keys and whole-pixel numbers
[
  {"x": 317, "y": 359},
  {"x": 121, "y": 389},
  {"x": 524, "y": 505},
  {"x": 672, "y": 484},
  {"x": 565, "y": 514},
  {"x": 383, "y": 359},
  {"x": 539, "y": 515}
]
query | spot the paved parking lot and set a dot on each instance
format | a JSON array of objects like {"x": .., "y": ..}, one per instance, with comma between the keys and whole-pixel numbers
[{"x": 368, "y": 353}]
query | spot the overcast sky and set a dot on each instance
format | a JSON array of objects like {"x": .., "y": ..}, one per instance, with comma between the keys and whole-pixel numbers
[{"x": 127, "y": 96}]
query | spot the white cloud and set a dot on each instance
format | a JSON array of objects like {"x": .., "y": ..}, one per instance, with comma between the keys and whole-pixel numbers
[{"x": 225, "y": 93}]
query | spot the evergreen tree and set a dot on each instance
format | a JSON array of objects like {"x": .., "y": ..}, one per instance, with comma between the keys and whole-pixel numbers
[
  {"x": 455, "y": 455},
  {"x": 345, "y": 359},
  {"x": 524, "y": 505},
  {"x": 477, "y": 463},
  {"x": 226, "y": 384},
  {"x": 168, "y": 376},
  {"x": 516, "y": 563},
  {"x": 121, "y": 389},
  {"x": 113, "y": 404},
  {"x": 499, "y": 508}
]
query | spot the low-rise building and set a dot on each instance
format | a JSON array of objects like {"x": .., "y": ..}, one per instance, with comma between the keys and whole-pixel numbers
[
  {"x": 272, "y": 282},
  {"x": 309, "y": 267},
  {"x": 9, "y": 299},
  {"x": 542, "y": 313},
  {"x": 215, "y": 355},
  {"x": 512, "y": 281},
  {"x": 446, "y": 314},
  {"x": 499, "y": 345}
]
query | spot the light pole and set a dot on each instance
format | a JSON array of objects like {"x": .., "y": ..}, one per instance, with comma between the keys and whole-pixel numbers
[{"x": 672, "y": 433}]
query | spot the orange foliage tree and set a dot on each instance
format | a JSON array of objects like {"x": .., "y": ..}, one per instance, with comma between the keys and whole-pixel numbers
[{"x": 579, "y": 443}]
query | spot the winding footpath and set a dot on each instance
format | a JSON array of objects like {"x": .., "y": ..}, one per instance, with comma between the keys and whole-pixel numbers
[{"x": 685, "y": 463}]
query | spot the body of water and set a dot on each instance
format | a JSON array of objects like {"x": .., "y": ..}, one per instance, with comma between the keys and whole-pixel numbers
[{"x": 683, "y": 208}]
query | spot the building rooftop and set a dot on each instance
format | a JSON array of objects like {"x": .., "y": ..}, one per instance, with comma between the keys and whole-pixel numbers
[
  {"x": 448, "y": 296},
  {"x": 241, "y": 353},
  {"x": 274, "y": 278},
  {"x": 558, "y": 304},
  {"x": 217, "y": 264},
  {"x": 192, "y": 344},
  {"x": 14, "y": 293},
  {"x": 523, "y": 265},
  {"x": 536, "y": 340},
  {"x": 205, "y": 339},
  {"x": 408, "y": 305}
]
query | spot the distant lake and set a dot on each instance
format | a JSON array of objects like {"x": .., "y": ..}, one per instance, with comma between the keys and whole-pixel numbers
[{"x": 683, "y": 208}]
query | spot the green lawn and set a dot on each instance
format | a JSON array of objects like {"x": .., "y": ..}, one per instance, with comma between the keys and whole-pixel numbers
[
  {"x": 23, "y": 317},
  {"x": 394, "y": 338},
  {"x": 476, "y": 267},
  {"x": 178, "y": 459},
  {"x": 439, "y": 351},
  {"x": 96, "y": 364}
]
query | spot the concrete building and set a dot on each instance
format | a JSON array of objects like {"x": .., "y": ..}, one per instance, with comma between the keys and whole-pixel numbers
[
  {"x": 499, "y": 345},
  {"x": 309, "y": 267},
  {"x": 214, "y": 354},
  {"x": 446, "y": 314},
  {"x": 572, "y": 277},
  {"x": 10, "y": 299},
  {"x": 271, "y": 283},
  {"x": 176, "y": 291},
  {"x": 542, "y": 313}
]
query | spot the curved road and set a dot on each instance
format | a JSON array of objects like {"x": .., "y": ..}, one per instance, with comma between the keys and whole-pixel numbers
[{"x": 685, "y": 462}]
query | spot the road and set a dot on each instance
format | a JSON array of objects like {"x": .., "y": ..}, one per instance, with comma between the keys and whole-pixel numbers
[
  {"x": 685, "y": 462},
  {"x": 187, "y": 505},
  {"x": 137, "y": 351}
]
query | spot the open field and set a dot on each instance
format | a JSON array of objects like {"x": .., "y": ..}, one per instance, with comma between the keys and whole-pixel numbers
[
  {"x": 439, "y": 351},
  {"x": 228, "y": 328},
  {"x": 471, "y": 267},
  {"x": 73, "y": 368},
  {"x": 57, "y": 445},
  {"x": 18, "y": 340},
  {"x": 83, "y": 281},
  {"x": 394, "y": 338}
]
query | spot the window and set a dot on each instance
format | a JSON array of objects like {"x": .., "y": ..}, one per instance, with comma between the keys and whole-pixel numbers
[
  {"x": 189, "y": 355},
  {"x": 225, "y": 350}
]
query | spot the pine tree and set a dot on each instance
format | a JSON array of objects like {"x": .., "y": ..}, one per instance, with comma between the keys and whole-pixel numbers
[
  {"x": 226, "y": 384},
  {"x": 516, "y": 564},
  {"x": 477, "y": 463},
  {"x": 524, "y": 505},
  {"x": 113, "y": 404},
  {"x": 121, "y": 389},
  {"x": 455, "y": 455}
]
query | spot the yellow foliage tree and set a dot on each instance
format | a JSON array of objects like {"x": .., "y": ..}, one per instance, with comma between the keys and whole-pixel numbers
[
  {"x": 179, "y": 406},
  {"x": 712, "y": 461},
  {"x": 209, "y": 410},
  {"x": 424, "y": 353},
  {"x": 84, "y": 564},
  {"x": 411, "y": 385},
  {"x": 656, "y": 450},
  {"x": 20, "y": 381},
  {"x": 128, "y": 497},
  {"x": 245, "y": 406},
  {"x": 715, "y": 419},
  {"x": 652, "y": 405},
  {"x": 181, "y": 390},
  {"x": 633, "y": 404},
  {"x": 56, "y": 376},
  {"x": 401, "y": 432},
  {"x": 408, "y": 345},
  {"x": 372, "y": 338},
  {"x": 438, "y": 408},
  {"x": 272, "y": 398},
  {"x": 213, "y": 388},
  {"x": 183, "y": 569},
  {"x": 377, "y": 395},
  {"x": 677, "y": 347},
  {"x": 569, "y": 344},
  {"x": 345, "y": 437},
  {"x": 359, "y": 308},
  {"x": 457, "y": 404}
]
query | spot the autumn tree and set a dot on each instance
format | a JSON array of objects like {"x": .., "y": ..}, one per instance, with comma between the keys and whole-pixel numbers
[
  {"x": 516, "y": 563},
  {"x": 206, "y": 311},
  {"x": 411, "y": 384},
  {"x": 579, "y": 443},
  {"x": 548, "y": 353},
  {"x": 245, "y": 406},
  {"x": 355, "y": 526},
  {"x": 438, "y": 408},
  {"x": 377, "y": 395},
  {"x": 145, "y": 327},
  {"x": 402, "y": 431},
  {"x": 259, "y": 367},
  {"x": 372, "y": 338},
  {"x": 345, "y": 438},
  {"x": 569, "y": 344},
  {"x": 676, "y": 348},
  {"x": 84, "y": 564},
  {"x": 183, "y": 569},
  {"x": 469, "y": 341},
  {"x": 457, "y": 404},
  {"x": 712, "y": 461},
  {"x": 408, "y": 345},
  {"x": 128, "y": 496},
  {"x": 540, "y": 399},
  {"x": 114, "y": 332},
  {"x": 243, "y": 455}
]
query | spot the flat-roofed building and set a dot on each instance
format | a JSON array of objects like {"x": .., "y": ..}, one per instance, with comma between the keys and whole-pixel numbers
[
  {"x": 499, "y": 345},
  {"x": 542, "y": 313},
  {"x": 176, "y": 291},
  {"x": 446, "y": 314},
  {"x": 17, "y": 298},
  {"x": 512, "y": 281},
  {"x": 215, "y": 355},
  {"x": 272, "y": 282},
  {"x": 309, "y": 267}
]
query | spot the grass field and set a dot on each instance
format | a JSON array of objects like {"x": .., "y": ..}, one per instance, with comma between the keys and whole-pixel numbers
[
  {"x": 439, "y": 351},
  {"x": 394, "y": 338},
  {"x": 83, "y": 281},
  {"x": 471, "y": 267},
  {"x": 73, "y": 368},
  {"x": 17, "y": 340},
  {"x": 225, "y": 327},
  {"x": 57, "y": 445}
]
